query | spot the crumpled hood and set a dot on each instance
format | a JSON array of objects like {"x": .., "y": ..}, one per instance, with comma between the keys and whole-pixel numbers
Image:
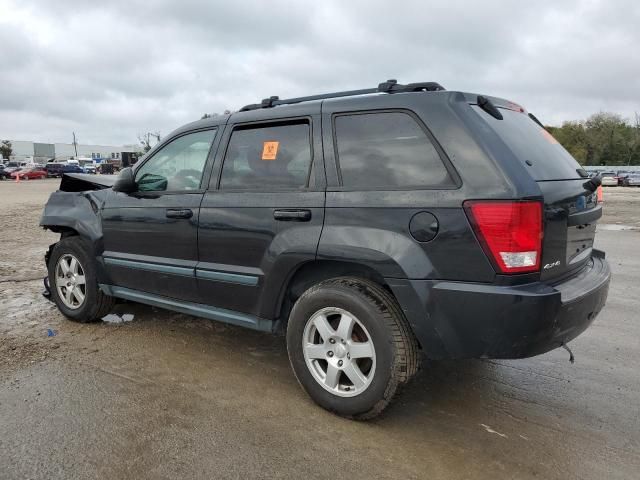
[{"x": 82, "y": 182}]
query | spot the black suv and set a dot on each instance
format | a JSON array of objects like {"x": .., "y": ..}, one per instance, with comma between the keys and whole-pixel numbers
[{"x": 369, "y": 226}]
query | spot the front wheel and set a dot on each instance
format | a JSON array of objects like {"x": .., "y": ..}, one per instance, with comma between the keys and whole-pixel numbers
[
  {"x": 73, "y": 282},
  {"x": 350, "y": 346}
]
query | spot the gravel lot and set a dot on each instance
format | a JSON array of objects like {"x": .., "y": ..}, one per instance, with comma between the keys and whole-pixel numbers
[{"x": 165, "y": 395}]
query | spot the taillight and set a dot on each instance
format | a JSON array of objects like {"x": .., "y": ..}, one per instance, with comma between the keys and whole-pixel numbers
[{"x": 510, "y": 233}]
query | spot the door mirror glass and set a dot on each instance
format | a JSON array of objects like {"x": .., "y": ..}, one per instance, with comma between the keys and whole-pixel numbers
[
  {"x": 150, "y": 182},
  {"x": 125, "y": 182}
]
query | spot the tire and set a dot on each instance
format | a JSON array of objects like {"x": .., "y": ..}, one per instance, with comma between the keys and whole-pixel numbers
[
  {"x": 378, "y": 319},
  {"x": 95, "y": 304}
]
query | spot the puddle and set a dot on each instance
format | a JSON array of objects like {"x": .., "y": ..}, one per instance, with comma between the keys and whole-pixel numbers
[
  {"x": 615, "y": 227},
  {"x": 115, "y": 318}
]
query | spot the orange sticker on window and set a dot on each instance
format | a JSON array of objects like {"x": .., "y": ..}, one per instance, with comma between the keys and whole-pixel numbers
[{"x": 270, "y": 150}]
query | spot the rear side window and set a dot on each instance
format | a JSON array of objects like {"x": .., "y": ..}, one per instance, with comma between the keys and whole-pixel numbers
[
  {"x": 530, "y": 142},
  {"x": 268, "y": 156},
  {"x": 387, "y": 149}
]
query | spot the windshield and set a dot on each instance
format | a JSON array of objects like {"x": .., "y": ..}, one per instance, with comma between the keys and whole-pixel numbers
[{"x": 545, "y": 157}]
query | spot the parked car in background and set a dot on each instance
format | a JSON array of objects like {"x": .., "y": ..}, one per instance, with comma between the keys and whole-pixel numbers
[
  {"x": 3, "y": 173},
  {"x": 609, "y": 179},
  {"x": 29, "y": 174},
  {"x": 54, "y": 169},
  {"x": 106, "y": 169},
  {"x": 632, "y": 180},
  {"x": 72, "y": 168},
  {"x": 11, "y": 167},
  {"x": 89, "y": 168},
  {"x": 622, "y": 174}
]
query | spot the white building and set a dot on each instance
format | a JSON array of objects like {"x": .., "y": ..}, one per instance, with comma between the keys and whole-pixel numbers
[{"x": 26, "y": 150}]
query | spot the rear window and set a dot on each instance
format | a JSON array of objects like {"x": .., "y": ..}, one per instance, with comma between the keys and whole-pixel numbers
[
  {"x": 530, "y": 142},
  {"x": 387, "y": 150}
]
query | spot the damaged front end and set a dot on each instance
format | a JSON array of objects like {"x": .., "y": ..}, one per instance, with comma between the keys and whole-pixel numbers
[{"x": 75, "y": 209}]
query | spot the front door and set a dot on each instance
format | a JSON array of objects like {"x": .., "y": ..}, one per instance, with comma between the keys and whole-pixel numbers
[
  {"x": 150, "y": 236},
  {"x": 263, "y": 213}
]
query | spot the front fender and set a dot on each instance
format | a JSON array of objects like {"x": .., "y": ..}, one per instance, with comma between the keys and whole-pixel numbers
[{"x": 77, "y": 211}]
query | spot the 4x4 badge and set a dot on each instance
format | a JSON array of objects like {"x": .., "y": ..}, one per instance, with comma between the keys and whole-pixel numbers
[{"x": 549, "y": 266}]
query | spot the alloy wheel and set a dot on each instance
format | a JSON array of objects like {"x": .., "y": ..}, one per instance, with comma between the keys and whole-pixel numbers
[
  {"x": 70, "y": 281},
  {"x": 339, "y": 352}
]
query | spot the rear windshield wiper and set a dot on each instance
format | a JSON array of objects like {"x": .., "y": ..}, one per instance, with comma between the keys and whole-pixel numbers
[{"x": 487, "y": 105}]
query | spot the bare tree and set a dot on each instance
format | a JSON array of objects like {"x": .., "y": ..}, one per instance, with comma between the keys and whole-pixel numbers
[
  {"x": 211, "y": 115},
  {"x": 145, "y": 140}
]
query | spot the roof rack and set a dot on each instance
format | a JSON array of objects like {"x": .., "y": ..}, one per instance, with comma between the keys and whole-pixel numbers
[{"x": 390, "y": 86}]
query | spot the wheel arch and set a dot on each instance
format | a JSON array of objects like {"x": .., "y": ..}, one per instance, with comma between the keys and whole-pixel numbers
[{"x": 311, "y": 273}]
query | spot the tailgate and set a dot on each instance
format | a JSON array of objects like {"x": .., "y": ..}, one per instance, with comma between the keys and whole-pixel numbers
[
  {"x": 570, "y": 212},
  {"x": 570, "y": 218}
]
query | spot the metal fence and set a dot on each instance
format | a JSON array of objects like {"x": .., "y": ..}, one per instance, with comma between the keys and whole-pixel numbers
[{"x": 613, "y": 168}]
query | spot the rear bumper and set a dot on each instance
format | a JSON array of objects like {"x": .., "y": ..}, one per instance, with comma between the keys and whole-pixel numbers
[{"x": 466, "y": 320}]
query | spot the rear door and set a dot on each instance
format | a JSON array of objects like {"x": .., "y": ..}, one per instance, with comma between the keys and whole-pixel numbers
[
  {"x": 150, "y": 236},
  {"x": 393, "y": 196},
  {"x": 571, "y": 211},
  {"x": 263, "y": 213}
]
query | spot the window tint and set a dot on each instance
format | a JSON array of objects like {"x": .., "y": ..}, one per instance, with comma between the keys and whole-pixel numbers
[
  {"x": 387, "y": 149},
  {"x": 178, "y": 165},
  {"x": 271, "y": 156},
  {"x": 528, "y": 141}
]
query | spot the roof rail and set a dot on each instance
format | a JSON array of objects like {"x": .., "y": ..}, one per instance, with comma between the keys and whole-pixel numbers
[{"x": 390, "y": 86}]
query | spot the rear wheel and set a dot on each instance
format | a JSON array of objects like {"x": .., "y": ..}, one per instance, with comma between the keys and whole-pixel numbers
[
  {"x": 73, "y": 282},
  {"x": 350, "y": 346}
]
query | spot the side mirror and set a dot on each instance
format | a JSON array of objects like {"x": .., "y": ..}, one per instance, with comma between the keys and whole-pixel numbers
[{"x": 125, "y": 182}]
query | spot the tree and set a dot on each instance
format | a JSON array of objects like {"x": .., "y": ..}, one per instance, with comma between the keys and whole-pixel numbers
[
  {"x": 6, "y": 149},
  {"x": 211, "y": 115},
  {"x": 634, "y": 142},
  {"x": 602, "y": 139},
  {"x": 145, "y": 140}
]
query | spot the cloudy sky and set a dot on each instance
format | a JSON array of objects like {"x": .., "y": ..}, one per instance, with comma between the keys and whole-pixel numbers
[{"x": 110, "y": 70}]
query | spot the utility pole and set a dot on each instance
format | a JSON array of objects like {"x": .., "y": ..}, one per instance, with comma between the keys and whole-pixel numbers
[{"x": 75, "y": 144}]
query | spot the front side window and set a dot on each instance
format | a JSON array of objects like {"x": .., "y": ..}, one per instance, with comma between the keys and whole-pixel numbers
[
  {"x": 387, "y": 150},
  {"x": 268, "y": 156},
  {"x": 177, "y": 166}
]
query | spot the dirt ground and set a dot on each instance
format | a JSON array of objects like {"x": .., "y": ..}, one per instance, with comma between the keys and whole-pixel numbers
[{"x": 155, "y": 394}]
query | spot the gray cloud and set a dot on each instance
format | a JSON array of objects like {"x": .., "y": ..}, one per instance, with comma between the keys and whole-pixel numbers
[{"x": 112, "y": 70}]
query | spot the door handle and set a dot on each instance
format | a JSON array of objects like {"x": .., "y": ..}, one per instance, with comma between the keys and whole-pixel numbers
[
  {"x": 179, "y": 213},
  {"x": 292, "y": 215}
]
